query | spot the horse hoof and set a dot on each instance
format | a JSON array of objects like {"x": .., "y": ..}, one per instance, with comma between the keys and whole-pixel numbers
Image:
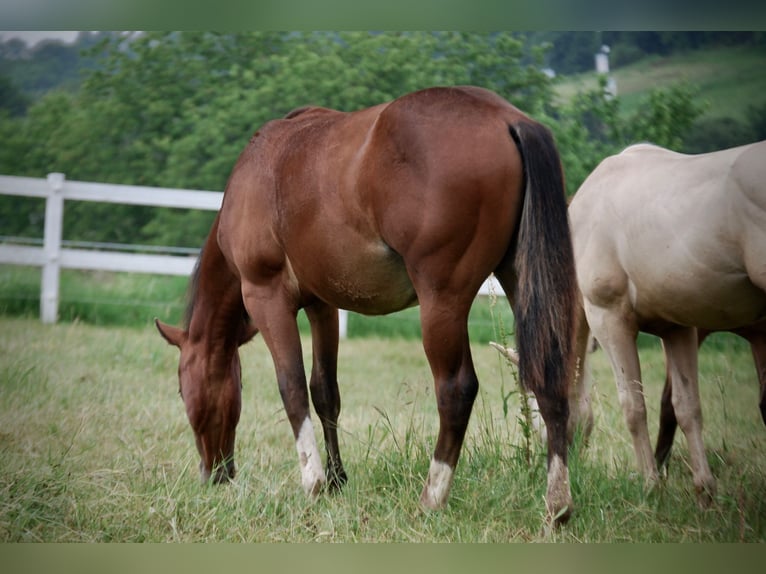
[
  {"x": 428, "y": 502},
  {"x": 705, "y": 495},
  {"x": 336, "y": 479}
]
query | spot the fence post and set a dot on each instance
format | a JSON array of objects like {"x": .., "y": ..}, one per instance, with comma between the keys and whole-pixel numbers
[
  {"x": 343, "y": 323},
  {"x": 54, "y": 218}
]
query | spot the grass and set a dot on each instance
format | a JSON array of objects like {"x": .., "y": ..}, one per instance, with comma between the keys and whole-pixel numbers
[
  {"x": 134, "y": 299},
  {"x": 95, "y": 447},
  {"x": 728, "y": 80}
]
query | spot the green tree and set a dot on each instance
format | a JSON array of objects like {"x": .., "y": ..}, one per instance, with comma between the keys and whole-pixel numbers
[
  {"x": 175, "y": 109},
  {"x": 592, "y": 127}
]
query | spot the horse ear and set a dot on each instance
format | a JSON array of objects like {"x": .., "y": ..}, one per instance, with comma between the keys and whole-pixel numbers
[{"x": 172, "y": 335}]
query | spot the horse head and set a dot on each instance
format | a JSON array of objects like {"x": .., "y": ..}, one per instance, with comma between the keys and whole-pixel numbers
[{"x": 209, "y": 378}]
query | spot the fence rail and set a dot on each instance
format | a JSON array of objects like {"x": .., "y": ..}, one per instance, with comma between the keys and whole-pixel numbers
[{"x": 54, "y": 254}]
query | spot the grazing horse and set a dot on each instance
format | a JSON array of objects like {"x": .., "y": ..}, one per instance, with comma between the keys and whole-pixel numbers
[
  {"x": 667, "y": 244},
  {"x": 414, "y": 201}
]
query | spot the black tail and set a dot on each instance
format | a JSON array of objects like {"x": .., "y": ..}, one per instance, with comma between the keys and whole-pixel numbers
[{"x": 545, "y": 296}]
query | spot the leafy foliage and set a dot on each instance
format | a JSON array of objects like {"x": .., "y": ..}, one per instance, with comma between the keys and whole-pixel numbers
[{"x": 174, "y": 109}]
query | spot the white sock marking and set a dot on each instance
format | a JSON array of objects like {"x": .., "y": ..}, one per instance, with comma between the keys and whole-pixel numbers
[
  {"x": 559, "y": 496},
  {"x": 438, "y": 484},
  {"x": 312, "y": 473}
]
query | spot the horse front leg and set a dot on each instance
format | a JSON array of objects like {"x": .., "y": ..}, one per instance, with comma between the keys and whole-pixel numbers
[
  {"x": 618, "y": 339},
  {"x": 324, "y": 385},
  {"x": 681, "y": 352},
  {"x": 445, "y": 340},
  {"x": 275, "y": 318}
]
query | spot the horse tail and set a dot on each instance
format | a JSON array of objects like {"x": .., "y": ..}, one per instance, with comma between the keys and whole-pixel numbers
[{"x": 545, "y": 295}]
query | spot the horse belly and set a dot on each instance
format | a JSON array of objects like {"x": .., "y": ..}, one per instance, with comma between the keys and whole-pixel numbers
[
  {"x": 715, "y": 303},
  {"x": 371, "y": 280}
]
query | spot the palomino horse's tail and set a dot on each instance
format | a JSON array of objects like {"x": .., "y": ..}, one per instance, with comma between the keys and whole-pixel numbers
[{"x": 546, "y": 283}]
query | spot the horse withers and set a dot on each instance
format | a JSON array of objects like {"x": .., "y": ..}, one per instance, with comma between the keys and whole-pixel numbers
[
  {"x": 670, "y": 244},
  {"x": 414, "y": 201}
]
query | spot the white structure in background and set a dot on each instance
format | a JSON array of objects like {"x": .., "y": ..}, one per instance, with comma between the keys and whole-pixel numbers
[{"x": 602, "y": 67}]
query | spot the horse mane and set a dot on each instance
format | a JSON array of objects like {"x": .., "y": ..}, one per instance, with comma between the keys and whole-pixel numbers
[
  {"x": 306, "y": 110},
  {"x": 297, "y": 111},
  {"x": 191, "y": 292},
  {"x": 246, "y": 330}
]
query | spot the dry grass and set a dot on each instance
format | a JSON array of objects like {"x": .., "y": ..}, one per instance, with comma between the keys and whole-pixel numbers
[{"x": 94, "y": 446}]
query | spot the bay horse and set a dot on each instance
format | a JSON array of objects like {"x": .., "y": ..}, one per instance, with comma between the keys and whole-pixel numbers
[
  {"x": 672, "y": 245},
  {"x": 414, "y": 201}
]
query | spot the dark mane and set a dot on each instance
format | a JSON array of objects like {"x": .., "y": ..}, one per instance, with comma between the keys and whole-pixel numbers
[{"x": 191, "y": 292}]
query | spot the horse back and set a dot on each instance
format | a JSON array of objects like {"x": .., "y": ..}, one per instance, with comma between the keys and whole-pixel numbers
[{"x": 677, "y": 237}]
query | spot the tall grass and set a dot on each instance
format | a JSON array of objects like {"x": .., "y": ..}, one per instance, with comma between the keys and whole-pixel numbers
[{"x": 94, "y": 446}]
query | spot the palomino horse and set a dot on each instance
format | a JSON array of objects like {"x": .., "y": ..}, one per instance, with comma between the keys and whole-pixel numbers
[
  {"x": 415, "y": 201},
  {"x": 666, "y": 243}
]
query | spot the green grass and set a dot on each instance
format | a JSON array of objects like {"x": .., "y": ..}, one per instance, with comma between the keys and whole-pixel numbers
[
  {"x": 728, "y": 80},
  {"x": 134, "y": 299},
  {"x": 95, "y": 446},
  {"x": 96, "y": 297}
]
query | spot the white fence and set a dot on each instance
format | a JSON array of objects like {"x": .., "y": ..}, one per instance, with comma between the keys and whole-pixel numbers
[{"x": 53, "y": 256}]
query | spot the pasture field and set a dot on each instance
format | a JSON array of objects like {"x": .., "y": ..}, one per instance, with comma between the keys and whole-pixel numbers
[
  {"x": 728, "y": 79},
  {"x": 95, "y": 447}
]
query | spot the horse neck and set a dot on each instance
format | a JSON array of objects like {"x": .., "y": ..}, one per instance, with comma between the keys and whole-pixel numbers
[{"x": 217, "y": 312}]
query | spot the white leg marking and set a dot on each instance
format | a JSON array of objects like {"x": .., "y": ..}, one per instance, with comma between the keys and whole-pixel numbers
[
  {"x": 559, "y": 496},
  {"x": 312, "y": 474},
  {"x": 438, "y": 485}
]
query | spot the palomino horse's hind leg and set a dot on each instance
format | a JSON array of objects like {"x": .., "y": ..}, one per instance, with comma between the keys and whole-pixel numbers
[
  {"x": 275, "y": 318},
  {"x": 681, "y": 352},
  {"x": 324, "y": 385},
  {"x": 445, "y": 340}
]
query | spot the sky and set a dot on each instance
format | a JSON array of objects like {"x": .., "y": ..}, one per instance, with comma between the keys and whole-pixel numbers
[{"x": 32, "y": 38}]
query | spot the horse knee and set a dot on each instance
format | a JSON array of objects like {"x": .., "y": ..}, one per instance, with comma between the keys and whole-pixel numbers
[{"x": 635, "y": 413}]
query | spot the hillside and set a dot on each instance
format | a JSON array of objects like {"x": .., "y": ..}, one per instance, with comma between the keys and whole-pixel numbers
[{"x": 729, "y": 79}]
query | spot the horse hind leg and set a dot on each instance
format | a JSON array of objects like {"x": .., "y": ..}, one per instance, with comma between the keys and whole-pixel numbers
[
  {"x": 325, "y": 394},
  {"x": 445, "y": 340},
  {"x": 681, "y": 352}
]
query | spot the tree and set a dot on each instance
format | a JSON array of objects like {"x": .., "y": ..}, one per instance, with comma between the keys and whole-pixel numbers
[
  {"x": 592, "y": 127},
  {"x": 175, "y": 109},
  {"x": 12, "y": 100}
]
